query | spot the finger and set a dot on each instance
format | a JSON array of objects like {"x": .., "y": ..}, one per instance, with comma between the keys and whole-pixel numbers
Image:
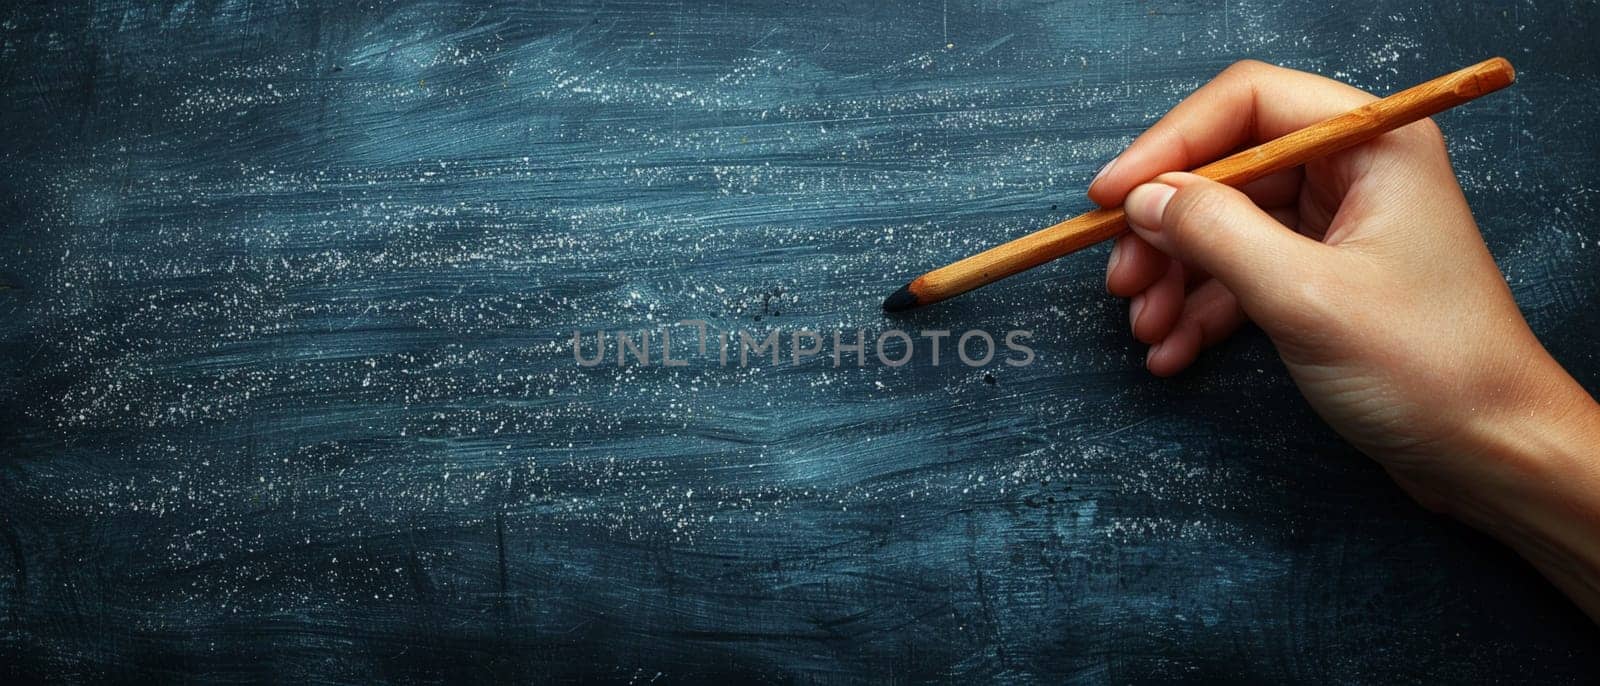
[
  {"x": 1175, "y": 352},
  {"x": 1248, "y": 102},
  {"x": 1134, "y": 265},
  {"x": 1161, "y": 305},
  {"x": 1216, "y": 228},
  {"x": 1210, "y": 314}
]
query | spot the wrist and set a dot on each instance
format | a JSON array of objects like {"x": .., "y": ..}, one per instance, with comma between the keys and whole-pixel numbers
[
  {"x": 1533, "y": 481},
  {"x": 1534, "y": 434},
  {"x": 1542, "y": 425}
]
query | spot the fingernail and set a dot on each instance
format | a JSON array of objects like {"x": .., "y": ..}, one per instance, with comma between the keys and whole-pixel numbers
[
  {"x": 1134, "y": 308},
  {"x": 1151, "y": 354},
  {"x": 1146, "y": 204},
  {"x": 1103, "y": 170}
]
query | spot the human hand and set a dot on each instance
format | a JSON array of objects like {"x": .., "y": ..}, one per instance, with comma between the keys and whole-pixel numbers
[
  {"x": 1368, "y": 273},
  {"x": 1365, "y": 268}
]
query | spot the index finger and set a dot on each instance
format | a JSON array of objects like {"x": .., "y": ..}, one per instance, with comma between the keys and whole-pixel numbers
[{"x": 1249, "y": 102}]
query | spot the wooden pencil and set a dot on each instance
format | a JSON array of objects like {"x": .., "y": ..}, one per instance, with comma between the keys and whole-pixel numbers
[{"x": 1317, "y": 140}]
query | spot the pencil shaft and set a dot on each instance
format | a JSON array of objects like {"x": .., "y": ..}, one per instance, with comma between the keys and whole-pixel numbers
[
  {"x": 1361, "y": 124},
  {"x": 1317, "y": 140}
]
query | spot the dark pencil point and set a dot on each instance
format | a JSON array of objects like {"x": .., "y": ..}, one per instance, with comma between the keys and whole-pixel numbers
[{"x": 900, "y": 300}]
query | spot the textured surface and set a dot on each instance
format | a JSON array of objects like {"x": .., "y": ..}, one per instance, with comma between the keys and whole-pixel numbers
[{"x": 289, "y": 292}]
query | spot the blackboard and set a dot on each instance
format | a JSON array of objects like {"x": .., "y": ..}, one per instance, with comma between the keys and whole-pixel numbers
[{"x": 290, "y": 290}]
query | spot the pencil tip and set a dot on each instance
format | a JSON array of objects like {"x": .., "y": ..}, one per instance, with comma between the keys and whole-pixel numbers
[{"x": 900, "y": 300}]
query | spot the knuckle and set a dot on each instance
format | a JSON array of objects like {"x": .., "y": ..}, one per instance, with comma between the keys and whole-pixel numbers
[
  {"x": 1319, "y": 296},
  {"x": 1192, "y": 217},
  {"x": 1246, "y": 68},
  {"x": 1428, "y": 128},
  {"x": 1426, "y": 133},
  {"x": 1313, "y": 293},
  {"x": 1195, "y": 209}
]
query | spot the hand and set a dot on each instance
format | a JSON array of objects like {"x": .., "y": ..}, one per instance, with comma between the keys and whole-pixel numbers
[{"x": 1367, "y": 271}]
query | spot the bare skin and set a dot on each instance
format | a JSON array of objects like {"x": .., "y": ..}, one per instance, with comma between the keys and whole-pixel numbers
[{"x": 1367, "y": 271}]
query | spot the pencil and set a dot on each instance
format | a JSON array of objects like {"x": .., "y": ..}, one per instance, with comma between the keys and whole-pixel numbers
[{"x": 1291, "y": 150}]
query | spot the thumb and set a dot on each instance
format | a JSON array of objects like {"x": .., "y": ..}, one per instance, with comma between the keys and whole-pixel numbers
[{"x": 1218, "y": 229}]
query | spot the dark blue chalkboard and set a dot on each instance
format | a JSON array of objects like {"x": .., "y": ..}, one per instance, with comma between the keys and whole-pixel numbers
[{"x": 288, "y": 291}]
